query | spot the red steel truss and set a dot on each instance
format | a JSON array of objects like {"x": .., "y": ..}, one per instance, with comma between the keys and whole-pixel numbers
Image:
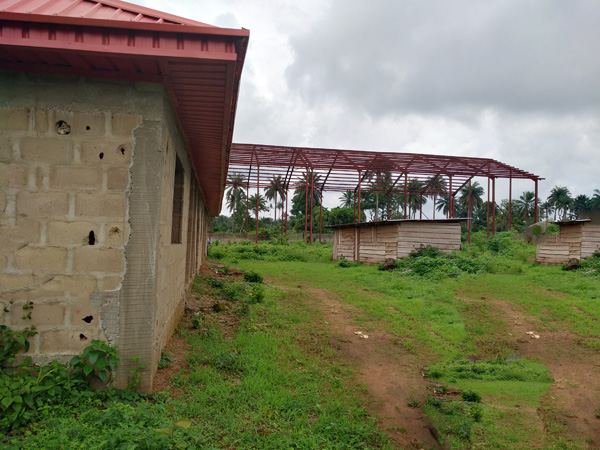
[{"x": 348, "y": 170}]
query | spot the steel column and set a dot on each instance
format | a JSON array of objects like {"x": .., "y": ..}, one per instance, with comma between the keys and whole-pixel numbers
[
  {"x": 257, "y": 199},
  {"x": 509, "y": 200},
  {"x": 312, "y": 196},
  {"x": 470, "y": 218},
  {"x": 487, "y": 226},
  {"x": 536, "y": 202},
  {"x": 359, "y": 194},
  {"x": 493, "y": 206},
  {"x": 405, "y": 192}
]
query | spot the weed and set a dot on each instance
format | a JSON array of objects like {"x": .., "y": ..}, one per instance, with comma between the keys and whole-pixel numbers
[
  {"x": 165, "y": 360},
  {"x": 471, "y": 396},
  {"x": 413, "y": 402},
  {"x": 197, "y": 320},
  {"x": 253, "y": 277}
]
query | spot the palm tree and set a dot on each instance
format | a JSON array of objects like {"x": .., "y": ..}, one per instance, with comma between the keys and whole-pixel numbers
[
  {"x": 347, "y": 199},
  {"x": 476, "y": 198},
  {"x": 379, "y": 182},
  {"x": 443, "y": 205},
  {"x": 596, "y": 199},
  {"x": 235, "y": 195},
  {"x": 262, "y": 204},
  {"x": 560, "y": 197},
  {"x": 526, "y": 204},
  {"x": 302, "y": 186},
  {"x": 436, "y": 185},
  {"x": 274, "y": 189},
  {"x": 547, "y": 208},
  {"x": 415, "y": 196},
  {"x": 582, "y": 203}
]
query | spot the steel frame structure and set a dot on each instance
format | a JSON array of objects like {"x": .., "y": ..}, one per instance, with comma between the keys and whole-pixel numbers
[{"x": 347, "y": 170}]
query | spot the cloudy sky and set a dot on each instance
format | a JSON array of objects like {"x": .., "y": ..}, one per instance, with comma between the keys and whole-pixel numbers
[{"x": 513, "y": 80}]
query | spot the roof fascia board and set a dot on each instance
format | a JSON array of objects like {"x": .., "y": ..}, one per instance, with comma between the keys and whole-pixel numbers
[
  {"x": 81, "y": 47},
  {"x": 149, "y": 12}
]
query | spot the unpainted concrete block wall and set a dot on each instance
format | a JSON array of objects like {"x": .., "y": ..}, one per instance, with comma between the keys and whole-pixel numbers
[
  {"x": 86, "y": 195},
  {"x": 63, "y": 221}
]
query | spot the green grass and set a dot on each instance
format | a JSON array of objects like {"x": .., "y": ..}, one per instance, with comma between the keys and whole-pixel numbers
[
  {"x": 275, "y": 384},
  {"x": 444, "y": 319}
]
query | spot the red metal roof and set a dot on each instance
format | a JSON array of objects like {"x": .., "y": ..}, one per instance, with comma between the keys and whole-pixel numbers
[{"x": 200, "y": 65}]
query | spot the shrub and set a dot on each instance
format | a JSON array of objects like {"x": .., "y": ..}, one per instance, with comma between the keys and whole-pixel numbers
[
  {"x": 471, "y": 396},
  {"x": 253, "y": 277}
]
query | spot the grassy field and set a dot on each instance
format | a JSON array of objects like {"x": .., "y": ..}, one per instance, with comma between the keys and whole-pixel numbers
[{"x": 261, "y": 372}]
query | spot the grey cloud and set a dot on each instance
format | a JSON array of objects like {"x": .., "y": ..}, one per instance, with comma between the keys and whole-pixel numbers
[{"x": 432, "y": 56}]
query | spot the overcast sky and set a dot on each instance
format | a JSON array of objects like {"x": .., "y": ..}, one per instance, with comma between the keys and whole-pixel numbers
[{"x": 513, "y": 80}]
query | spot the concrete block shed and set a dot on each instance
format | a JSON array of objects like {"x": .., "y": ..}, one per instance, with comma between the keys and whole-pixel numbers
[
  {"x": 374, "y": 242},
  {"x": 577, "y": 239},
  {"x": 115, "y": 131}
]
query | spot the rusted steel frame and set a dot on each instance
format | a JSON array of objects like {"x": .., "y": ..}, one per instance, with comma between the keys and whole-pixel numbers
[
  {"x": 209, "y": 227},
  {"x": 488, "y": 210},
  {"x": 359, "y": 194},
  {"x": 248, "y": 192},
  {"x": 470, "y": 214},
  {"x": 536, "y": 202},
  {"x": 405, "y": 192},
  {"x": 321, "y": 216},
  {"x": 257, "y": 196},
  {"x": 306, "y": 205},
  {"x": 312, "y": 196},
  {"x": 329, "y": 172},
  {"x": 287, "y": 180},
  {"x": 510, "y": 200},
  {"x": 420, "y": 206},
  {"x": 450, "y": 199},
  {"x": 494, "y": 207}
]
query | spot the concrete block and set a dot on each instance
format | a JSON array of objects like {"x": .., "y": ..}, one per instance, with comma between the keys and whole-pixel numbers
[
  {"x": 100, "y": 205},
  {"x": 52, "y": 314},
  {"x": 111, "y": 283},
  {"x": 90, "y": 259},
  {"x": 117, "y": 179},
  {"x": 54, "y": 150},
  {"x": 64, "y": 341},
  {"x": 5, "y": 148},
  {"x": 13, "y": 237},
  {"x": 42, "y": 204},
  {"x": 117, "y": 234},
  {"x": 3, "y": 202},
  {"x": 76, "y": 177},
  {"x": 3, "y": 262},
  {"x": 79, "y": 287},
  {"x": 51, "y": 259},
  {"x": 122, "y": 125},
  {"x": 13, "y": 175},
  {"x": 41, "y": 121},
  {"x": 13, "y": 282},
  {"x": 105, "y": 152},
  {"x": 88, "y": 124},
  {"x": 82, "y": 314},
  {"x": 71, "y": 233},
  {"x": 14, "y": 119}
]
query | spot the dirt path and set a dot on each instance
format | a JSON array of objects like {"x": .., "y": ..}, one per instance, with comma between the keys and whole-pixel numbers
[
  {"x": 390, "y": 374},
  {"x": 574, "y": 398}
]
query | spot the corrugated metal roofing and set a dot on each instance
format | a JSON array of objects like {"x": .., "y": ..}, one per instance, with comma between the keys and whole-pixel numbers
[
  {"x": 200, "y": 65},
  {"x": 108, "y": 10}
]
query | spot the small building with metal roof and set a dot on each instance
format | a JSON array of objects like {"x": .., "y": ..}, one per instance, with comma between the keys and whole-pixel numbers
[{"x": 115, "y": 133}]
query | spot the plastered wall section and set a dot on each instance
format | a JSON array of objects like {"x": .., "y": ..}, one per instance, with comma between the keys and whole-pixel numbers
[
  {"x": 64, "y": 176},
  {"x": 171, "y": 280}
]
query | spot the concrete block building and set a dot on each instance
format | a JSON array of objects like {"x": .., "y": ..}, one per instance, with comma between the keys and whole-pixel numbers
[{"x": 115, "y": 130}]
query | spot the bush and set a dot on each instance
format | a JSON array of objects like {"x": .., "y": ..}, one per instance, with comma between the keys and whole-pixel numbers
[
  {"x": 471, "y": 396},
  {"x": 253, "y": 277}
]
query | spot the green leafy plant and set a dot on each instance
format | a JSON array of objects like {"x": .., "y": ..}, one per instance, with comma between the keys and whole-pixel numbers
[
  {"x": 165, "y": 359},
  {"x": 471, "y": 396},
  {"x": 169, "y": 430},
  {"x": 96, "y": 360},
  {"x": 253, "y": 277}
]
